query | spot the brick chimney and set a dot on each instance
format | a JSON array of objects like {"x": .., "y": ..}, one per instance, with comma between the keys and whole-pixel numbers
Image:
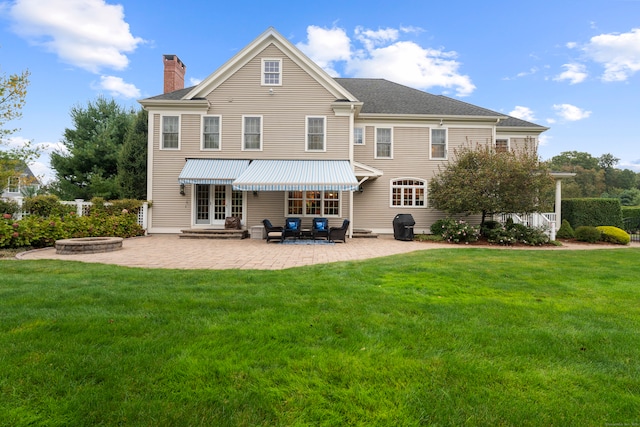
[{"x": 174, "y": 71}]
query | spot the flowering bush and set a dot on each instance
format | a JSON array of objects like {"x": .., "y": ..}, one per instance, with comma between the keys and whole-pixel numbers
[
  {"x": 459, "y": 231},
  {"x": 39, "y": 231},
  {"x": 500, "y": 235}
]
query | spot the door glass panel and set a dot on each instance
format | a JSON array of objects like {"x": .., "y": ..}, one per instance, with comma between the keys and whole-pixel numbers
[
  {"x": 220, "y": 201},
  {"x": 236, "y": 204},
  {"x": 202, "y": 204}
]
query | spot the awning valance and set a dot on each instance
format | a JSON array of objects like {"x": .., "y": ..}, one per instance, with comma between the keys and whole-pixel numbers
[
  {"x": 297, "y": 175},
  {"x": 212, "y": 171}
]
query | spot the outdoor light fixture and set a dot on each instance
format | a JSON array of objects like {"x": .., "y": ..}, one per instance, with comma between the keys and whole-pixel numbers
[
  {"x": 182, "y": 189},
  {"x": 255, "y": 194}
]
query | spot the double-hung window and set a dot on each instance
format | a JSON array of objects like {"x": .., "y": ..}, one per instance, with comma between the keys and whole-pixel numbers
[
  {"x": 384, "y": 138},
  {"x": 252, "y": 133},
  {"x": 211, "y": 133},
  {"x": 313, "y": 203},
  {"x": 271, "y": 72},
  {"x": 316, "y": 132},
  {"x": 502, "y": 145},
  {"x": 170, "y": 132},
  {"x": 358, "y": 136},
  {"x": 13, "y": 184},
  {"x": 438, "y": 143},
  {"x": 408, "y": 192}
]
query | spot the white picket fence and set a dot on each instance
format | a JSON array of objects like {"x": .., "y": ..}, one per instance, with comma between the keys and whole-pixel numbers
[
  {"x": 83, "y": 208},
  {"x": 544, "y": 221}
]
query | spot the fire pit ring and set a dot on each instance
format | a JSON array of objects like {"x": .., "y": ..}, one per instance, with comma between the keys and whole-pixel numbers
[{"x": 88, "y": 245}]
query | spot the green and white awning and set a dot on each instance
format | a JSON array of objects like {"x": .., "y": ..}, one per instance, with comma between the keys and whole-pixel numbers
[
  {"x": 212, "y": 171},
  {"x": 297, "y": 175}
]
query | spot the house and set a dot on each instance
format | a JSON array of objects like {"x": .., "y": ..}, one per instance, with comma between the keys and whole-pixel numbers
[
  {"x": 23, "y": 182},
  {"x": 272, "y": 135}
]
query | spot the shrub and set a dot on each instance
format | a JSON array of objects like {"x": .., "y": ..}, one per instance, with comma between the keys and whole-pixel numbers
[
  {"x": 46, "y": 206},
  {"x": 614, "y": 235},
  {"x": 587, "y": 233},
  {"x": 9, "y": 207},
  {"x": 461, "y": 232},
  {"x": 488, "y": 226},
  {"x": 500, "y": 235},
  {"x": 593, "y": 212},
  {"x": 440, "y": 226},
  {"x": 529, "y": 235},
  {"x": 565, "y": 231}
]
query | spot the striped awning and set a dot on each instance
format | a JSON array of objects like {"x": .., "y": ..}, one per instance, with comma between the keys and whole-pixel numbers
[
  {"x": 297, "y": 175},
  {"x": 212, "y": 171}
]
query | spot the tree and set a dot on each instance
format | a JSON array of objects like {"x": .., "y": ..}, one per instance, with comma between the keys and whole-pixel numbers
[
  {"x": 568, "y": 160},
  {"x": 483, "y": 181},
  {"x": 13, "y": 93},
  {"x": 132, "y": 163},
  {"x": 89, "y": 166}
]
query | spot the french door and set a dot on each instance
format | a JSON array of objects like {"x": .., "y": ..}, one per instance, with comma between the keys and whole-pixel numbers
[{"x": 214, "y": 203}]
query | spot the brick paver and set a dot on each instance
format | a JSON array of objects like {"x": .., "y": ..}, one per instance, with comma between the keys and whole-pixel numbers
[{"x": 169, "y": 251}]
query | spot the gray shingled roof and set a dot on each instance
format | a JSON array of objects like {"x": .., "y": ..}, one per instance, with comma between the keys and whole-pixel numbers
[{"x": 385, "y": 97}]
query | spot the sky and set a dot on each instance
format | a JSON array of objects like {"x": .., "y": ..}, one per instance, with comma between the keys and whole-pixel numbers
[{"x": 571, "y": 66}]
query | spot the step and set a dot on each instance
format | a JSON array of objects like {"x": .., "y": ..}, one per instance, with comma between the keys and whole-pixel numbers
[
  {"x": 212, "y": 233},
  {"x": 364, "y": 234}
]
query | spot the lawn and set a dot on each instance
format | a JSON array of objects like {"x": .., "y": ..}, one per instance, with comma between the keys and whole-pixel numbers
[{"x": 443, "y": 337}]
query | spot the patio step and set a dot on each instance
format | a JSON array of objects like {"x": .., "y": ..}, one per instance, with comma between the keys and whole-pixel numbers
[
  {"x": 364, "y": 234},
  {"x": 213, "y": 233}
]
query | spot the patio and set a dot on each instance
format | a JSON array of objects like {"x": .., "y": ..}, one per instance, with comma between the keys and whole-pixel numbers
[{"x": 169, "y": 251}]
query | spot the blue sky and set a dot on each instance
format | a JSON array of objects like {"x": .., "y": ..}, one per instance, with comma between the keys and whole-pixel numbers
[{"x": 570, "y": 66}]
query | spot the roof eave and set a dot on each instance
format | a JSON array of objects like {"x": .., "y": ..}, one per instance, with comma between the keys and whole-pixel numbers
[
  {"x": 444, "y": 117},
  {"x": 538, "y": 129},
  {"x": 182, "y": 104}
]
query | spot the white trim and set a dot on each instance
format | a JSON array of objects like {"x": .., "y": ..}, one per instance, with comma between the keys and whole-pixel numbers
[
  {"x": 446, "y": 143},
  {"x": 263, "y": 72},
  {"x": 161, "y": 142},
  {"x": 244, "y": 116},
  {"x": 375, "y": 146},
  {"x": 324, "y": 134},
  {"x": 202, "y": 147},
  {"x": 413, "y": 196}
]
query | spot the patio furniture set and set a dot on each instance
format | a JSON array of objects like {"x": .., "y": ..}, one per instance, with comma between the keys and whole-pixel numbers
[{"x": 293, "y": 229}]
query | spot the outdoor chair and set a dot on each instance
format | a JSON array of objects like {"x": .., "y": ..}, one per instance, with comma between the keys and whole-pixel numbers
[
  {"x": 339, "y": 233},
  {"x": 320, "y": 228},
  {"x": 292, "y": 228},
  {"x": 273, "y": 233}
]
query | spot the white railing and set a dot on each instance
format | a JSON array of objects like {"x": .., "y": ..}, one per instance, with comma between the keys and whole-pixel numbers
[
  {"x": 545, "y": 221},
  {"x": 83, "y": 208}
]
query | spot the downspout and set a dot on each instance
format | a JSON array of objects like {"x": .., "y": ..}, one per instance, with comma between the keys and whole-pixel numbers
[{"x": 350, "y": 142}]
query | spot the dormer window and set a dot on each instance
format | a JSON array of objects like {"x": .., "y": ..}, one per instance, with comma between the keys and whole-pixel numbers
[{"x": 271, "y": 72}]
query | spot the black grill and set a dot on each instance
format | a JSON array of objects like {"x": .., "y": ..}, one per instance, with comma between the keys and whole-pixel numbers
[{"x": 403, "y": 227}]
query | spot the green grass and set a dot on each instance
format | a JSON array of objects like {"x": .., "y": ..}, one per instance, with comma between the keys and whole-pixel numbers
[{"x": 442, "y": 337}]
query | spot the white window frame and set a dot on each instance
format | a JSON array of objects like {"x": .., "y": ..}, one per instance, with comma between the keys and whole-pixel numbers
[
  {"x": 247, "y": 116},
  {"x": 304, "y": 213},
  {"x": 264, "y": 72},
  {"x": 375, "y": 150},
  {"x": 355, "y": 140},
  {"x": 202, "y": 147},
  {"x": 14, "y": 184},
  {"x": 324, "y": 134},
  {"x": 162, "y": 118},
  {"x": 495, "y": 144},
  {"x": 446, "y": 144},
  {"x": 393, "y": 184}
]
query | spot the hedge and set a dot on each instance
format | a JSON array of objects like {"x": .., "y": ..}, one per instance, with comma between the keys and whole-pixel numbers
[{"x": 592, "y": 212}]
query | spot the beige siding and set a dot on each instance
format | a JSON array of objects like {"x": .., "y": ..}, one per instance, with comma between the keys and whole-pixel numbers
[{"x": 372, "y": 207}]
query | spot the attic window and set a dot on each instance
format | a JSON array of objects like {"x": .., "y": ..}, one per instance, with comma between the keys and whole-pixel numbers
[{"x": 271, "y": 72}]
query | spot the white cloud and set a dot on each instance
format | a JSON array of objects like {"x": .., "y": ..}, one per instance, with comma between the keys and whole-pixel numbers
[
  {"x": 326, "y": 46},
  {"x": 194, "y": 81},
  {"x": 570, "y": 112},
  {"x": 574, "y": 73},
  {"x": 544, "y": 140},
  {"x": 523, "y": 113},
  {"x": 117, "y": 87},
  {"x": 619, "y": 54},
  {"x": 381, "y": 54},
  {"x": 89, "y": 34}
]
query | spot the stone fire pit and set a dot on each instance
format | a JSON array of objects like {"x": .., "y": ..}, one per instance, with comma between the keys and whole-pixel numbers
[{"x": 88, "y": 245}]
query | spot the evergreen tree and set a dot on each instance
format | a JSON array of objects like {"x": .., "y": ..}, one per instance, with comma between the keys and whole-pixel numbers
[{"x": 132, "y": 163}]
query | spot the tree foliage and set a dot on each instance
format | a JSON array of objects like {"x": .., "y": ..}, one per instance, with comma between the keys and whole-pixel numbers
[
  {"x": 88, "y": 167},
  {"x": 13, "y": 93},
  {"x": 483, "y": 181},
  {"x": 132, "y": 162}
]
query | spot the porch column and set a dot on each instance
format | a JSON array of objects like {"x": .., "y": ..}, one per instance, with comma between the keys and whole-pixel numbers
[{"x": 558, "y": 203}]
